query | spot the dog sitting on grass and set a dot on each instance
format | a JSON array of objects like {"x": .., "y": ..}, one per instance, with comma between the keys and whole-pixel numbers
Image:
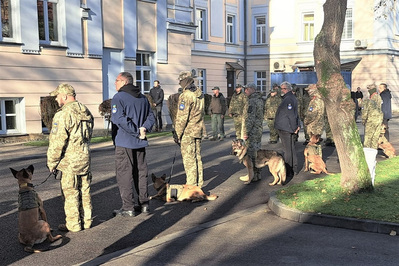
[{"x": 313, "y": 156}]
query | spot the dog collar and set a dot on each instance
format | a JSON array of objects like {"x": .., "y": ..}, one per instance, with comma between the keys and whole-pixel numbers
[{"x": 26, "y": 185}]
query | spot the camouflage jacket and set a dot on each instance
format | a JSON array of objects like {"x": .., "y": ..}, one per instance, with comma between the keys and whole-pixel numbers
[
  {"x": 190, "y": 113},
  {"x": 314, "y": 116},
  {"x": 237, "y": 103},
  {"x": 372, "y": 109},
  {"x": 303, "y": 104},
  {"x": 69, "y": 139},
  {"x": 272, "y": 103},
  {"x": 253, "y": 117}
]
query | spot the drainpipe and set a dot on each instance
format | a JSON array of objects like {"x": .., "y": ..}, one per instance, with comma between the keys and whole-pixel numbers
[{"x": 245, "y": 41}]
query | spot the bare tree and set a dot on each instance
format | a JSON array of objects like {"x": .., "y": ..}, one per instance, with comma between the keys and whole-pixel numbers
[{"x": 339, "y": 105}]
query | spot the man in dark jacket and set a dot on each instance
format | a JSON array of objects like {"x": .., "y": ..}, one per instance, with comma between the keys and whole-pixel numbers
[
  {"x": 217, "y": 109},
  {"x": 131, "y": 118},
  {"x": 157, "y": 96},
  {"x": 386, "y": 106},
  {"x": 287, "y": 123}
]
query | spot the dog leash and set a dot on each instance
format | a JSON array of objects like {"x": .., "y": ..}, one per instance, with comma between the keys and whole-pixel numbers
[
  {"x": 54, "y": 173},
  {"x": 173, "y": 163}
]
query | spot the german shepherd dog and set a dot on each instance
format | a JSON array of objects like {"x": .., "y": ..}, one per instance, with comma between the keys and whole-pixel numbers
[
  {"x": 313, "y": 157},
  {"x": 170, "y": 193},
  {"x": 264, "y": 157},
  {"x": 385, "y": 145},
  {"x": 32, "y": 219}
]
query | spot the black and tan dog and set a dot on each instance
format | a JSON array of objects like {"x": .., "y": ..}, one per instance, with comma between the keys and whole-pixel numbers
[
  {"x": 170, "y": 193},
  {"x": 313, "y": 156},
  {"x": 264, "y": 157},
  {"x": 385, "y": 145},
  {"x": 32, "y": 219}
]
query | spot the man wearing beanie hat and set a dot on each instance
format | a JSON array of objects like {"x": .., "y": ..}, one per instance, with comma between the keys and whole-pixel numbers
[
  {"x": 69, "y": 152},
  {"x": 189, "y": 125},
  {"x": 372, "y": 117}
]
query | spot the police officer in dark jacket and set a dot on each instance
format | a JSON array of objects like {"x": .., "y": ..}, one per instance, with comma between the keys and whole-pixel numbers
[
  {"x": 157, "y": 96},
  {"x": 131, "y": 117},
  {"x": 288, "y": 124},
  {"x": 386, "y": 108}
]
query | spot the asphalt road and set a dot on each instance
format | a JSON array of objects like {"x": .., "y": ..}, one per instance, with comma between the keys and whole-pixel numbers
[{"x": 235, "y": 229}]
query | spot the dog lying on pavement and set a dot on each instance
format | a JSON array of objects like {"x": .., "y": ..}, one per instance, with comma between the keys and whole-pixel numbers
[
  {"x": 170, "y": 193},
  {"x": 313, "y": 157},
  {"x": 32, "y": 219},
  {"x": 264, "y": 157}
]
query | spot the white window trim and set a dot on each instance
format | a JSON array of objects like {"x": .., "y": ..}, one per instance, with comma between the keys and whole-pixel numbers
[
  {"x": 303, "y": 25},
  {"x": 145, "y": 68},
  {"x": 263, "y": 88},
  {"x": 15, "y": 18},
  {"x": 19, "y": 113},
  {"x": 232, "y": 26},
  {"x": 203, "y": 79},
  {"x": 345, "y": 25},
  {"x": 256, "y": 26},
  {"x": 204, "y": 24},
  {"x": 61, "y": 20}
]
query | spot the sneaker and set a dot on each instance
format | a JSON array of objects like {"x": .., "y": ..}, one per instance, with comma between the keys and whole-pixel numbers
[
  {"x": 125, "y": 213},
  {"x": 145, "y": 208}
]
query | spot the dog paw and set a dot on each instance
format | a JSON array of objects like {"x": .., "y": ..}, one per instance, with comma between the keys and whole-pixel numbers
[
  {"x": 272, "y": 184},
  {"x": 245, "y": 178}
]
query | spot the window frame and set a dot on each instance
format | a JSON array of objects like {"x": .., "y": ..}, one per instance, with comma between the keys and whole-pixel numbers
[
  {"x": 307, "y": 27},
  {"x": 17, "y": 114},
  {"x": 144, "y": 72},
  {"x": 230, "y": 29},
  {"x": 201, "y": 23},
  {"x": 56, "y": 17},
  {"x": 201, "y": 77},
  {"x": 14, "y": 18},
  {"x": 260, "y": 28},
  {"x": 348, "y": 25},
  {"x": 261, "y": 81}
]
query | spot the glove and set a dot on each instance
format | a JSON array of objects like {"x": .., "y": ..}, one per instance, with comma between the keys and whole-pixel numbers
[{"x": 175, "y": 138}]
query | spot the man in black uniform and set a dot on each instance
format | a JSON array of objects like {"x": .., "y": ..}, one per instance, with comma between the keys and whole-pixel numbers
[{"x": 288, "y": 124}]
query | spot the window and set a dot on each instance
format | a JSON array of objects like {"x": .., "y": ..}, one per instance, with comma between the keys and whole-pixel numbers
[
  {"x": 143, "y": 72},
  {"x": 260, "y": 30},
  {"x": 260, "y": 80},
  {"x": 348, "y": 26},
  {"x": 202, "y": 80},
  {"x": 5, "y": 22},
  {"x": 201, "y": 24},
  {"x": 8, "y": 116},
  {"x": 230, "y": 29},
  {"x": 308, "y": 27},
  {"x": 48, "y": 26}
]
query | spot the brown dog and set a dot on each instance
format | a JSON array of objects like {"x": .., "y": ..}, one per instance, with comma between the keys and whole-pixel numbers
[
  {"x": 32, "y": 219},
  {"x": 171, "y": 193},
  {"x": 385, "y": 145},
  {"x": 313, "y": 157},
  {"x": 264, "y": 157}
]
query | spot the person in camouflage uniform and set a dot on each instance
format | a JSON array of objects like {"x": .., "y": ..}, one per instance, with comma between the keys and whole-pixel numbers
[
  {"x": 303, "y": 104},
  {"x": 253, "y": 127},
  {"x": 314, "y": 117},
  {"x": 372, "y": 118},
  {"x": 236, "y": 109},
  {"x": 69, "y": 152},
  {"x": 273, "y": 100},
  {"x": 189, "y": 126}
]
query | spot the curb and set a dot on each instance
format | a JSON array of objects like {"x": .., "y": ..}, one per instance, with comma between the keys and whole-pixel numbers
[{"x": 371, "y": 226}]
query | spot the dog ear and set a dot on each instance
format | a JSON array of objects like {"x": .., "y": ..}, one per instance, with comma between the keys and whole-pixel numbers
[
  {"x": 163, "y": 177},
  {"x": 14, "y": 172},
  {"x": 31, "y": 168}
]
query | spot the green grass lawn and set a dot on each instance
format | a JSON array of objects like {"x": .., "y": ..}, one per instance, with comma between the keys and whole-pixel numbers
[{"x": 324, "y": 195}]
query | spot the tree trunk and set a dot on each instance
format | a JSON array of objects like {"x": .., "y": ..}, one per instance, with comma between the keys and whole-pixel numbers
[{"x": 339, "y": 105}]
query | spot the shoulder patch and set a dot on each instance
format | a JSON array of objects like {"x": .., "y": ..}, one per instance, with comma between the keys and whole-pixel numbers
[
  {"x": 114, "y": 109},
  {"x": 289, "y": 106},
  {"x": 182, "y": 105},
  {"x": 310, "y": 108}
]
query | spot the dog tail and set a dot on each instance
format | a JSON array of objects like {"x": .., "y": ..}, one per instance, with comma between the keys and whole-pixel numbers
[{"x": 211, "y": 197}]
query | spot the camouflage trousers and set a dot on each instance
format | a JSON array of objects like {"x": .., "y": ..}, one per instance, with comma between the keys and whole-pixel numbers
[
  {"x": 192, "y": 161},
  {"x": 372, "y": 133},
  {"x": 77, "y": 200},
  {"x": 273, "y": 131},
  {"x": 238, "y": 126}
]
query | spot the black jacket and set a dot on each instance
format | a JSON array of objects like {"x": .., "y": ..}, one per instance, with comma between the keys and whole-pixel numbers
[
  {"x": 386, "y": 104},
  {"x": 157, "y": 95},
  {"x": 287, "y": 118}
]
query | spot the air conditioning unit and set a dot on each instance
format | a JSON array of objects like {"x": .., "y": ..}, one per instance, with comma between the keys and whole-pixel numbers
[
  {"x": 279, "y": 65},
  {"x": 360, "y": 44}
]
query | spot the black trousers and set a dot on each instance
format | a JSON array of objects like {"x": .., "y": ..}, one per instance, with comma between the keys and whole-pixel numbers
[
  {"x": 290, "y": 157},
  {"x": 158, "y": 117},
  {"x": 131, "y": 176}
]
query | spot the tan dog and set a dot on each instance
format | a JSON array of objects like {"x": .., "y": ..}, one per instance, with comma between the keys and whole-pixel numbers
[
  {"x": 313, "y": 157},
  {"x": 385, "y": 145},
  {"x": 171, "y": 193},
  {"x": 264, "y": 157},
  {"x": 32, "y": 219}
]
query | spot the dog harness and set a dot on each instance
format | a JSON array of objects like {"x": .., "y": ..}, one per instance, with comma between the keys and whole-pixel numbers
[
  {"x": 175, "y": 191},
  {"x": 27, "y": 199}
]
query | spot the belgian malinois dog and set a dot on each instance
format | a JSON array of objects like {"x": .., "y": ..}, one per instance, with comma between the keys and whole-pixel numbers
[
  {"x": 32, "y": 219},
  {"x": 264, "y": 157},
  {"x": 313, "y": 158},
  {"x": 170, "y": 193}
]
